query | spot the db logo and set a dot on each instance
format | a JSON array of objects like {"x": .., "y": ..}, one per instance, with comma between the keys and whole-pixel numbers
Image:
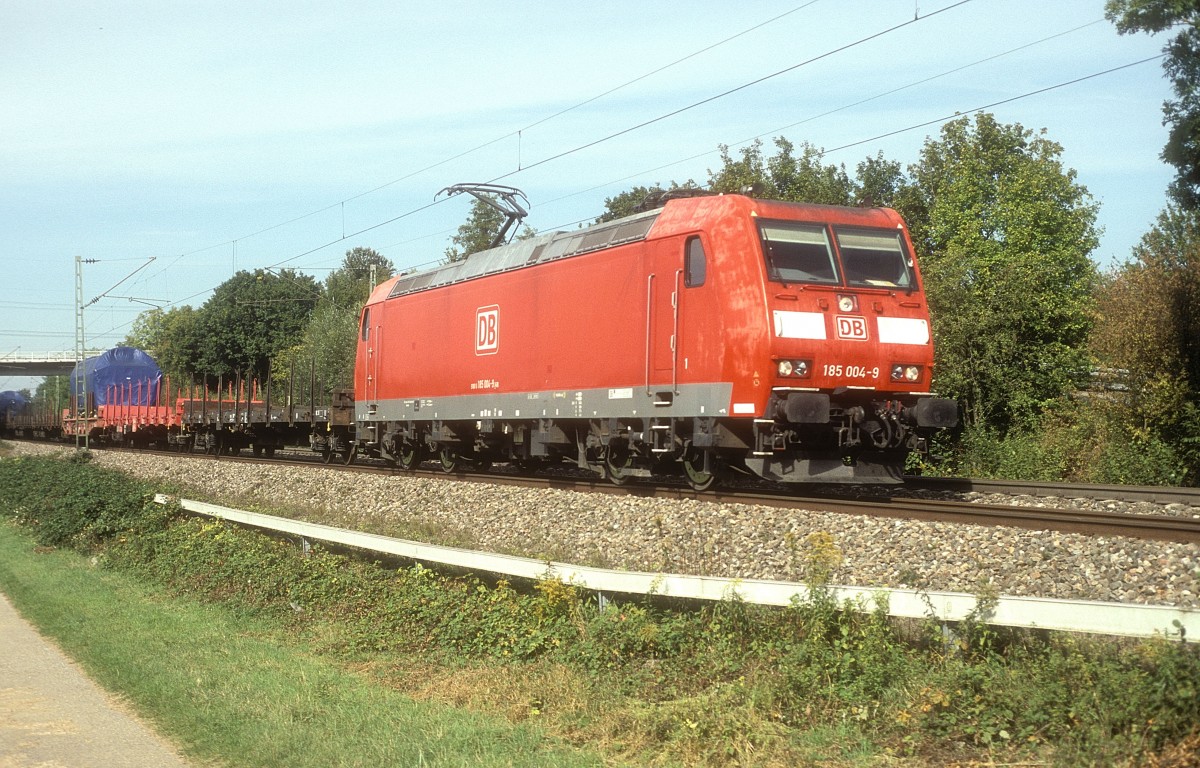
[
  {"x": 849, "y": 327},
  {"x": 487, "y": 330}
]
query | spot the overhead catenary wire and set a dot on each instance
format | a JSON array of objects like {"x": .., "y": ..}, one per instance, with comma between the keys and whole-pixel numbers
[
  {"x": 825, "y": 151},
  {"x": 733, "y": 90},
  {"x": 882, "y": 94},
  {"x": 491, "y": 142},
  {"x": 630, "y": 129},
  {"x": 584, "y": 146}
]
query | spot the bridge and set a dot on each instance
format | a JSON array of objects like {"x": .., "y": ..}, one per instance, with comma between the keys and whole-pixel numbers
[{"x": 46, "y": 364}]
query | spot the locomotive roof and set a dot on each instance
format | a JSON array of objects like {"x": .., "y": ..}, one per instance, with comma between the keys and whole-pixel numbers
[
  {"x": 560, "y": 245},
  {"x": 525, "y": 253}
]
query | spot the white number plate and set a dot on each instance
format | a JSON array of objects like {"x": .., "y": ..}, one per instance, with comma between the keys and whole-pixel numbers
[{"x": 840, "y": 371}]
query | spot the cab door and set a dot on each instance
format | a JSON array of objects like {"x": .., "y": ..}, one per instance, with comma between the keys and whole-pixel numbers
[
  {"x": 368, "y": 362},
  {"x": 676, "y": 266},
  {"x": 664, "y": 268}
]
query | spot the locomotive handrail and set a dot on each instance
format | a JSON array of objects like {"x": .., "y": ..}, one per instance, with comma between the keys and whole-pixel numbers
[
  {"x": 675, "y": 335},
  {"x": 649, "y": 326}
]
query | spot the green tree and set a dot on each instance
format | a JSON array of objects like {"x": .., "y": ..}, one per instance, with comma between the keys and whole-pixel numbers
[
  {"x": 1004, "y": 251},
  {"x": 350, "y": 284},
  {"x": 171, "y": 338},
  {"x": 1182, "y": 67},
  {"x": 784, "y": 176},
  {"x": 251, "y": 317},
  {"x": 330, "y": 337},
  {"x": 640, "y": 198},
  {"x": 1148, "y": 333},
  {"x": 53, "y": 394},
  {"x": 628, "y": 202},
  {"x": 478, "y": 231}
]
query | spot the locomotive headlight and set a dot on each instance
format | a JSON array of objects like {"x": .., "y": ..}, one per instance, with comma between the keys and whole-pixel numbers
[
  {"x": 793, "y": 368},
  {"x": 847, "y": 303},
  {"x": 897, "y": 372},
  {"x": 912, "y": 372}
]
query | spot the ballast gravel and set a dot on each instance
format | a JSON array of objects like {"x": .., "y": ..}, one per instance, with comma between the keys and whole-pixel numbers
[{"x": 703, "y": 538}]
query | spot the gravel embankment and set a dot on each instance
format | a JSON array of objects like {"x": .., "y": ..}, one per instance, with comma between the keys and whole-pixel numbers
[{"x": 733, "y": 540}]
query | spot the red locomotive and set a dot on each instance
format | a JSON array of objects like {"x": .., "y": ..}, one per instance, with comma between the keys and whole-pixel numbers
[{"x": 716, "y": 333}]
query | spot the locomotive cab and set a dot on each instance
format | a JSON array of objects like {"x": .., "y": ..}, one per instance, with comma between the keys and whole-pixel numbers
[{"x": 851, "y": 349}]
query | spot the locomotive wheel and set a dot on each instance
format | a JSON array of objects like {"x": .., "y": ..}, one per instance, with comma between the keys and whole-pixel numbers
[
  {"x": 409, "y": 455},
  {"x": 327, "y": 457},
  {"x": 697, "y": 476},
  {"x": 616, "y": 461},
  {"x": 449, "y": 460}
]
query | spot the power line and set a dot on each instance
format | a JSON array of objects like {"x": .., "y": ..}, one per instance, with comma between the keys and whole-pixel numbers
[
  {"x": 587, "y": 145},
  {"x": 664, "y": 67},
  {"x": 996, "y": 103},
  {"x": 731, "y": 91},
  {"x": 845, "y": 146},
  {"x": 485, "y": 144},
  {"x": 842, "y": 108},
  {"x": 630, "y": 129}
]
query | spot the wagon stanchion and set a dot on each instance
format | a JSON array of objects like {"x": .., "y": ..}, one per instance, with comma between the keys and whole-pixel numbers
[{"x": 291, "y": 399}]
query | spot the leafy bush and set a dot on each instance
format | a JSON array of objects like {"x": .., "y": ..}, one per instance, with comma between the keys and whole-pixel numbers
[
  {"x": 72, "y": 503},
  {"x": 725, "y": 684},
  {"x": 1077, "y": 442}
]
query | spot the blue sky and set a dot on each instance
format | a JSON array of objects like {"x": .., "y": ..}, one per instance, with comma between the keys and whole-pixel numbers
[{"x": 217, "y": 136}]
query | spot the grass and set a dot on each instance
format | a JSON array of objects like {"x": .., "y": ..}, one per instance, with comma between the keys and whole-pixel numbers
[
  {"x": 437, "y": 662},
  {"x": 223, "y": 687}
]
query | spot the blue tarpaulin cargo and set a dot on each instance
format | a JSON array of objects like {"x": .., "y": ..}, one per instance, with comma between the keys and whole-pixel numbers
[
  {"x": 13, "y": 401},
  {"x": 122, "y": 375}
]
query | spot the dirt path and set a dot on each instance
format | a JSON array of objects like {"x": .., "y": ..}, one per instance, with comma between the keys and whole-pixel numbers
[{"x": 52, "y": 716}]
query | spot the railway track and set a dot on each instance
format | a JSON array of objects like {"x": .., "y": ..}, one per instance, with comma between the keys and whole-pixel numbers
[
  {"x": 1152, "y": 494},
  {"x": 1176, "y": 528},
  {"x": 878, "y": 503}
]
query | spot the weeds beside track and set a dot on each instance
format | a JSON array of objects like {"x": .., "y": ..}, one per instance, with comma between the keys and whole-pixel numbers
[{"x": 642, "y": 682}]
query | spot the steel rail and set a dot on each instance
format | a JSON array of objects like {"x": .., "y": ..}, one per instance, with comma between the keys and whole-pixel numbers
[
  {"x": 1089, "y": 522},
  {"x": 1151, "y": 493}
]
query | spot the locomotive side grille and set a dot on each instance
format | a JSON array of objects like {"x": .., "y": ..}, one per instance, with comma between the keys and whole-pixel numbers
[{"x": 525, "y": 253}]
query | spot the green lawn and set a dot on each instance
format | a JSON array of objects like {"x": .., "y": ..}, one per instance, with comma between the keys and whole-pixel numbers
[{"x": 226, "y": 690}]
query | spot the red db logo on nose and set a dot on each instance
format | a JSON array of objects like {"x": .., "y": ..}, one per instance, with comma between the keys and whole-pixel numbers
[
  {"x": 487, "y": 330},
  {"x": 850, "y": 327}
]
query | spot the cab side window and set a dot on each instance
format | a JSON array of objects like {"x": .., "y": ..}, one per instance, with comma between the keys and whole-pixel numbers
[
  {"x": 366, "y": 324},
  {"x": 695, "y": 266}
]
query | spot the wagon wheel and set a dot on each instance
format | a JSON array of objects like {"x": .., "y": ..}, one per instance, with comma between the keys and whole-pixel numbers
[
  {"x": 699, "y": 470},
  {"x": 449, "y": 460},
  {"x": 616, "y": 461},
  {"x": 531, "y": 464},
  {"x": 409, "y": 455},
  {"x": 327, "y": 456}
]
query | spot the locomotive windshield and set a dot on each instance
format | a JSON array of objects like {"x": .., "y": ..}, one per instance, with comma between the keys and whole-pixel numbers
[
  {"x": 798, "y": 253},
  {"x": 867, "y": 258},
  {"x": 874, "y": 258}
]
